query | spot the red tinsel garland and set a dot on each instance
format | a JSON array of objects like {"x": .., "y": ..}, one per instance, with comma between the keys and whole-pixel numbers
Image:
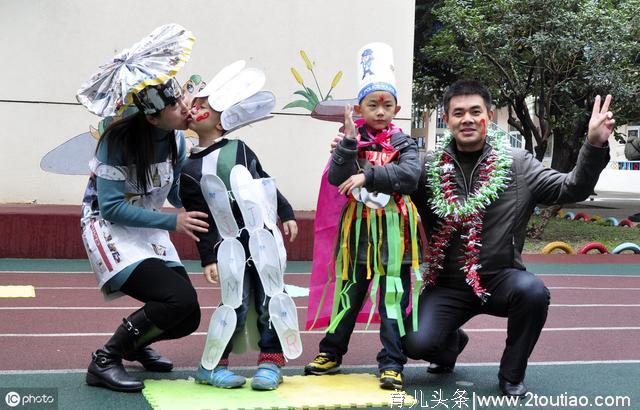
[{"x": 470, "y": 227}]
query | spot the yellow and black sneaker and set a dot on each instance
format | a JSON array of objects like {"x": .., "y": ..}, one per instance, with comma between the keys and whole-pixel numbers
[
  {"x": 324, "y": 363},
  {"x": 391, "y": 380}
]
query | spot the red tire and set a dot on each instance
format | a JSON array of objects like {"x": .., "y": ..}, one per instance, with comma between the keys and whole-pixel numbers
[
  {"x": 581, "y": 216},
  {"x": 593, "y": 246},
  {"x": 625, "y": 222}
]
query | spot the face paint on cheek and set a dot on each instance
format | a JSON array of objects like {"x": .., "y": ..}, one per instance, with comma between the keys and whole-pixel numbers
[
  {"x": 202, "y": 117},
  {"x": 483, "y": 130}
]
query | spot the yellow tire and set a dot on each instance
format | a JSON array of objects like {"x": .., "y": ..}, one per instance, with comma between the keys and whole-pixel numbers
[{"x": 563, "y": 246}]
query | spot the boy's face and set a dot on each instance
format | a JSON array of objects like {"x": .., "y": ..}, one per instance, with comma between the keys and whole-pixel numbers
[
  {"x": 204, "y": 117},
  {"x": 377, "y": 109},
  {"x": 467, "y": 120}
]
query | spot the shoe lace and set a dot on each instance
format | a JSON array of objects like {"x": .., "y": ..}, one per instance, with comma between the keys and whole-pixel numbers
[
  {"x": 321, "y": 359},
  {"x": 391, "y": 373}
]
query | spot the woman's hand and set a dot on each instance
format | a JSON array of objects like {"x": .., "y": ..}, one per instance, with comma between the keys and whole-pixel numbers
[
  {"x": 290, "y": 229},
  {"x": 188, "y": 222},
  {"x": 211, "y": 273}
]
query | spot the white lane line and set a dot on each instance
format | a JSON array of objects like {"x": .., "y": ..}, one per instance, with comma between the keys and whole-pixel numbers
[
  {"x": 318, "y": 332},
  {"x": 217, "y": 288},
  {"x": 597, "y": 305},
  {"x": 109, "y": 334},
  {"x": 569, "y": 275},
  {"x": 93, "y": 307},
  {"x": 39, "y": 272},
  {"x": 588, "y": 305},
  {"x": 97, "y": 288},
  {"x": 343, "y": 366},
  {"x": 582, "y": 288}
]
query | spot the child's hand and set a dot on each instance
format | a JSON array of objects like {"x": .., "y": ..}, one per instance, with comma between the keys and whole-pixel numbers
[
  {"x": 211, "y": 273},
  {"x": 354, "y": 181},
  {"x": 349, "y": 125},
  {"x": 290, "y": 228}
]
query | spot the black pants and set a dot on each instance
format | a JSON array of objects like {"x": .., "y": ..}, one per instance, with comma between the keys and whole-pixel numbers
[
  {"x": 391, "y": 357},
  {"x": 171, "y": 302},
  {"x": 251, "y": 284},
  {"x": 516, "y": 294}
]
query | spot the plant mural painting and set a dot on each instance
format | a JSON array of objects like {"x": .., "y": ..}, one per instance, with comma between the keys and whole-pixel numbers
[{"x": 311, "y": 99}]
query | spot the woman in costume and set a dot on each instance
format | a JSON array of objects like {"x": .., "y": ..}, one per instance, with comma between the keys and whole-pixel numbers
[{"x": 125, "y": 232}]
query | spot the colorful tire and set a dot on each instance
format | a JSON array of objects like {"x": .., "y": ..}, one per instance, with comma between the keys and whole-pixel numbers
[
  {"x": 569, "y": 216},
  {"x": 627, "y": 246},
  {"x": 536, "y": 211},
  {"x": 563, "y": 246},
  {"x": 626, "y": 222},
  {"x": 561, "y": 213},
  {"x": 596, "y": 218},
  {"x": 581, "y": 216},
  {"x": 610, "y": 221},
  {"x": 593, "y": 246}
]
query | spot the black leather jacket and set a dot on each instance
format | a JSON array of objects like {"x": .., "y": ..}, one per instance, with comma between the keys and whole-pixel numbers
[{"x": 531, "y": 183}]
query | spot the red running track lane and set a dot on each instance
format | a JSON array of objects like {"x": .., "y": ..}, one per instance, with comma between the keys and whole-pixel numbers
[{"x": 486, "y": 345}]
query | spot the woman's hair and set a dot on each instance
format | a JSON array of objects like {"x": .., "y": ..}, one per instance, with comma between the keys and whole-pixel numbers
[{"x": 133, "y": 136}]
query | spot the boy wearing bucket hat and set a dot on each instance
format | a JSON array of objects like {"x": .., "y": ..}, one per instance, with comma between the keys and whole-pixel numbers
[
  {"x": 376, "y": 166},
  {"x": 217, "y": 170}
]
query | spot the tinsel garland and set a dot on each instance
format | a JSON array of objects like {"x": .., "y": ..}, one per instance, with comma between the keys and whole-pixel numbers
[{"x": 464, "y": 214}]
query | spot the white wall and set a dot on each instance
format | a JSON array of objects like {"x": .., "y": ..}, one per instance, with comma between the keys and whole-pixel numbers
[{"x": 52, "y": 47}]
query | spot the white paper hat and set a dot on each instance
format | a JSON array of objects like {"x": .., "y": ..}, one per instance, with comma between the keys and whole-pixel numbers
[
  {"x": 233, "y": 84},
  {"x": 235, "y": 93},
  {"x": 255, "y": 108},
  {"x": 376, "y": 71}
]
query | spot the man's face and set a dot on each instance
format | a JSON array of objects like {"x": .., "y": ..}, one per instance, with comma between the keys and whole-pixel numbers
[
  {"x": 205, "y": 118},
  {"x": 175, "y": 116},
  {"x": 378, "y": 109},
  {"x": 467, "y": 120}
]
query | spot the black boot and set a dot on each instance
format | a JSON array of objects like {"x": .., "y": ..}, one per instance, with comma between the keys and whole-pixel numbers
[
  {"x": 106, "y": 368},
  {"x": 150, "y": 359}
]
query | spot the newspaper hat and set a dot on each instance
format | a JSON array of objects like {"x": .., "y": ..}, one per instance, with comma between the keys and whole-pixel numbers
[
  {"x": 154, "y": 98},
  {"x": 376, "y": 71},
  {"x": 235, "y": 93}
]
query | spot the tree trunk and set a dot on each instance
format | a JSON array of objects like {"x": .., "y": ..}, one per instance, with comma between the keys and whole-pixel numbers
[
  {"x": 536, "y": 231},
  {"x": 567, "y": 144},
  {"x": 541, "y": 149}
]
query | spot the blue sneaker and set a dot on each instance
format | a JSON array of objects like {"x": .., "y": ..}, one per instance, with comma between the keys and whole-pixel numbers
[
  {"x": 268, "y": 377},
  {"x": 219, "y": 377}
]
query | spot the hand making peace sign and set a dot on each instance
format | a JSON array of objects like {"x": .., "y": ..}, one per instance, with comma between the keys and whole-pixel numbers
[{"x": 601, "y": 124}]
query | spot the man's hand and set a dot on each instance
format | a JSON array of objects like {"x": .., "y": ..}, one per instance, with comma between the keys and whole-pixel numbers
[
  {"x": 188, "y": 222},
  {"x": 290, "y": 229},
  {"x": 336, "y": 141},
  {"x": 211, "y": 273},
  {"x": 349, "y": 125},
  {"x": 601, "y": 124},
  {"x": 354, "y": 181}
]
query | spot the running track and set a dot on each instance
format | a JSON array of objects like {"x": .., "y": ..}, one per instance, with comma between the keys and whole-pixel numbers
[{"x": 594, "y": 318}]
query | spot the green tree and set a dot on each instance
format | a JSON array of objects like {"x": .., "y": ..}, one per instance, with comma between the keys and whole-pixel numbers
[{"x": 542, "y": 59}]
